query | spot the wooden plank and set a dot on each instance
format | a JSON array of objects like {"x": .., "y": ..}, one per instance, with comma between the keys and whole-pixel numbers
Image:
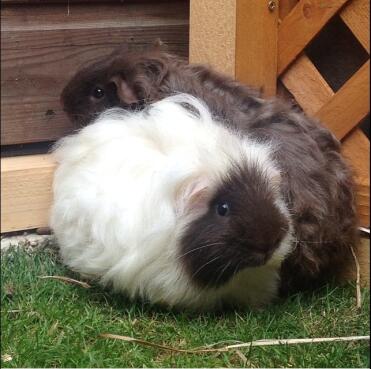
[
  {"x": 42, "y": 46},
  {"x": 349, "y": 105},
  {"x": 212, "y": 34},
  {"x": 30, "y": 106},
  {"x": 236, "y": 37},
  {"x": 356, "y": 16},
  {"x": 363, "y": 257},
  {"x": 356, "y": 148},
  {"x": 175, "y": 37},
  {"x": 26, "y": 192},
  {"x": 256, "y": 45},
  {"x": 363, "y": 203},
  {"x": 32, "y": 119},
  {"x": 32, "y": 2},
  {"x": 301, "y": 25},
  {"x": 312, "y": 92},
  {"x": 307, "y": 85},
  {"x": 80, "y": 16},
  {"x": 285, "y": 7}
]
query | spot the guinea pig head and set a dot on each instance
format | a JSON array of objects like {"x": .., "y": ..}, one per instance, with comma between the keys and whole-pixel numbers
[
  {"x": 240, "y": 223},
  {"x": 125, "y": 79},
  {"x": 88, "y": 93}
]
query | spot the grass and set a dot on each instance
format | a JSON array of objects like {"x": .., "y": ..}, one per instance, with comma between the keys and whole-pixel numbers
[{"x": 47, "y": 323}]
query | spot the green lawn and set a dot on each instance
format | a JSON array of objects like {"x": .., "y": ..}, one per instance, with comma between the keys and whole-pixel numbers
[{"x": 47, "y": 323}]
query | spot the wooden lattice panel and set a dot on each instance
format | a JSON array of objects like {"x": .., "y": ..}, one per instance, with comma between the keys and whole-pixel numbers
[{"x": 341, "y": 111}]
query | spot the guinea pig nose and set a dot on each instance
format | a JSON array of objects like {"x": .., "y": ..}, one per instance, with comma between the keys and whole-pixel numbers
[{"x": 270, "y": 243}]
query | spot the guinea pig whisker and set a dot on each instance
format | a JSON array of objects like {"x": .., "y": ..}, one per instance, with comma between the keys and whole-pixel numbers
[
  {"x": 198, "y": 248},
  {"x": 312, "y": 242},
  {"x": 236, "y": 269},
  {"x": 203, "y": 266},
  {"x": 221, "y": 273}
]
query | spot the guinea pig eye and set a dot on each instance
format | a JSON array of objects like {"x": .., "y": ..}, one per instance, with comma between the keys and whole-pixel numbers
[
  {"x": 98, "y": 92},
  {"x": 222, "y": 209}
]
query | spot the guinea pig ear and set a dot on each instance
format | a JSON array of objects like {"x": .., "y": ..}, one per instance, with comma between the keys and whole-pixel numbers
[
  {"x": 154, "y": 69},
  {"x": 158, "y": 45},
  {"x": 124, "y": 92},
  {"x": 193, "y": 196}
]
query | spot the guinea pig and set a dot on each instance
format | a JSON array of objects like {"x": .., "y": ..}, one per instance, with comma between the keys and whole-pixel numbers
[
  {"x": 169, "y": 205},
  {"x": 317, "y": 182},
  {"x": 132, "y": 79}
]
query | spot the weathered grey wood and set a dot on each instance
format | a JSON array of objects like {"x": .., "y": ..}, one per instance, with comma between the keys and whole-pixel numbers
[{"x": 42, "y": 47}]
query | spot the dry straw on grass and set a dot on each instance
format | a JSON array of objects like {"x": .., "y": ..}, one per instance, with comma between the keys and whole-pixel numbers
[
  {"x": 358, "y": 279},
  {"x": 67, "y": 280},
  {"x": 265, "y": 342}
]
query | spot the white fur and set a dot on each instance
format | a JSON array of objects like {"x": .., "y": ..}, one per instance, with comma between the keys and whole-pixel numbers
[{"x": 123, "y": 192}]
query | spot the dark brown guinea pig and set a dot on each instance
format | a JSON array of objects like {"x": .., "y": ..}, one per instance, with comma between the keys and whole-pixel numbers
[
  {"x": 131, "y": 79},
  {"x": 316, "y": 184}
]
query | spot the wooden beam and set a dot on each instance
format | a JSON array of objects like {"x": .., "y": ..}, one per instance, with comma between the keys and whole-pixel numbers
[
  {"x": 349, "y": 105},
  {"x": 363, "y": 257},
  {"x": 212, "y": 34},
  {"x": 356, "y": 16},
  {"x": 307, "y": 85},
  {"x": 26, "y": 192},
  {"x": 236, "y": 37},
  {"x": 312, "y": 92},
  {"x": 356, "y": 148},
  {"x": 285, "y": 7},
  {"x": 256, "y": 45},
  {"x": 300, "y": 27}
]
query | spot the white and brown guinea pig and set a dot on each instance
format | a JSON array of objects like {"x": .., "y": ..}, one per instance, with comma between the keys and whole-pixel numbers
[{"x": 169, "y": 205}]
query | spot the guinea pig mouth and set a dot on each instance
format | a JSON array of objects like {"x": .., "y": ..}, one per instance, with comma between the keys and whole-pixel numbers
[{"x": 215, "y": 272}]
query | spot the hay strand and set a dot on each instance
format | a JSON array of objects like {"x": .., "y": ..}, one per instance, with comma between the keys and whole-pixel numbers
[
  {"x": 264, "y": 342},
  {"x": 161, "y": 347},
  {"x": 358, "y": 280},
  {"x": 66, "y": 280}
]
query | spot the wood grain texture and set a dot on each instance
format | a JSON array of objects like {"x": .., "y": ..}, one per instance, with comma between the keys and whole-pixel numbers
[
  {"x": 349, "y": 105},
  {"x": 363, "y": 257},
  {"x": 256, "y": 45},
  {"x": 356, "y": 149},
  {"x": 363, "y": 203},
  {"x": 307, "y": 85},
  {"x": 26, "y": 192},
  {"x": 43, "y": 45},
  {"x": 237, "y": 37},
  {"x": 48, "y": 16},
  {"x": 285, "y": 7},
  {"x": 312, "y": 93},
  {"x": 356, "y": 16},
  {"x": 301, "y": 25},
  {"x": 31, "y": 2},
  {"x": 212, "y": 34}
]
